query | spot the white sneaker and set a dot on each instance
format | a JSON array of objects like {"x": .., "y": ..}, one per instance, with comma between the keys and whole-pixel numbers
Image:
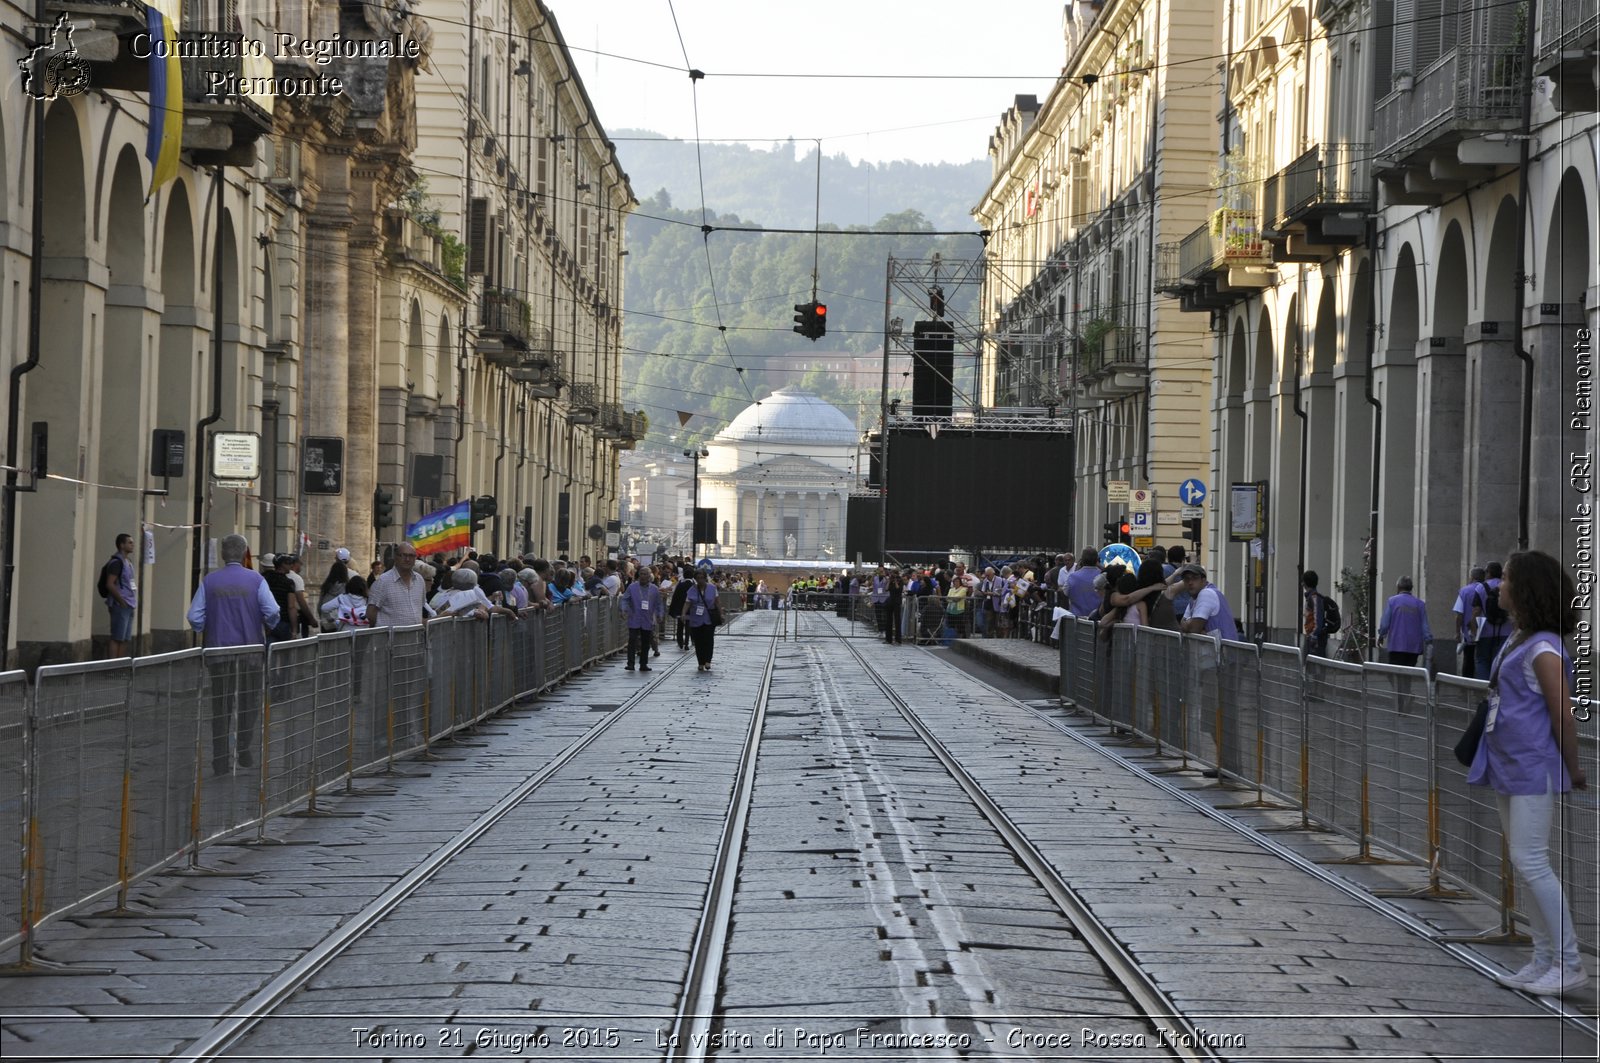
[
  {"x": 1520, "y": 979},
  {"x": 1558, "y": 981}
]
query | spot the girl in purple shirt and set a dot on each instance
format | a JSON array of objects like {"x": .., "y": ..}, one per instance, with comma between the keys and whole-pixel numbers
[{"x": 1529, "y": 754}]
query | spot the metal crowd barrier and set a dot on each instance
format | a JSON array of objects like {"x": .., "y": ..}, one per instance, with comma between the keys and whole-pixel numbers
[
  {"x": 113, "y": 771},
  {"x": 1363, "y": 750}
]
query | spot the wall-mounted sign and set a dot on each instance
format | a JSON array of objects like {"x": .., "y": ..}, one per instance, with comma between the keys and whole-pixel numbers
[
  {"x": 236, "y": 456},
  {"x": 322, "y": 465}
]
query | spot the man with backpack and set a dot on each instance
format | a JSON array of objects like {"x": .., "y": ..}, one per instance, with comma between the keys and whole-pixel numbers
[
  {"x": 1321, "y": 617},
  {"x": 1465, "y": 611},
  {"x": 120, "y": 593},
  {"x": 1493, "y": 622}
]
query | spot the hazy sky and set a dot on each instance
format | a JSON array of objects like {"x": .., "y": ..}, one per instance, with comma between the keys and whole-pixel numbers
[{"x": 999, "y": 50}]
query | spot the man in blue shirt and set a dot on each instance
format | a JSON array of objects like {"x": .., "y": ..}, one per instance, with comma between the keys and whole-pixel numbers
[
  {"x": 1404, "y": 625},
  {"x": 1465, "y": 610},
  {"x": 1493, "y": 631}
]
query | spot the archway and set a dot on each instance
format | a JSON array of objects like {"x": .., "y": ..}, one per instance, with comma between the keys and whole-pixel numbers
[
  {"x": 123, "y": 426},
  {"x": 53, "y": 523},
  {"x": 1317, "y": 399},
  {"x": 1352, "y": 500},
  {"x": 1283, "y": 534},
  {"x": 1563, "y": 361},
  {"x": 1441, "y": 433},
  {"x": 1493, "y": 403},
  {"x": 181, "y": 350},
  {"x": 1395, "y": 383},
  {"x": 1230, "y": 569}
]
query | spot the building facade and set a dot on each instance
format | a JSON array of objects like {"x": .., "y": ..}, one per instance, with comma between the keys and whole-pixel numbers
[
  {"x": 1410, "y": 382},
  {"x": 1086, "y": 185},
  {"x": 778, "y": 476},
  {"x": 285, "y": 283}
]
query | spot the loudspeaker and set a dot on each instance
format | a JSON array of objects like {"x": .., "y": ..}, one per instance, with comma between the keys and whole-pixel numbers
[{"x": 932, "y": 369}]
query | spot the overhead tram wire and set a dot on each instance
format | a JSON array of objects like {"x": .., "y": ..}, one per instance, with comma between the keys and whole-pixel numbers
[{"x": 398, "y": 9}]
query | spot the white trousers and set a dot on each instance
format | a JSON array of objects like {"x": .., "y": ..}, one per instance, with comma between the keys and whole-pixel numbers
[{"x": 1527, "y": 820}]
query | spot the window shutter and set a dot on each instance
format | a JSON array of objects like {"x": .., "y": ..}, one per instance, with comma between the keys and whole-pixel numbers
[
  {"x": 1405, "y": 36},
  {"x": 1430, "y": 33},
  {"x": 477, "y": 235}
]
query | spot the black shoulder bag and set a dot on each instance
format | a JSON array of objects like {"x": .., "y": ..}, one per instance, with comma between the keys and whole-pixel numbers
[{"x": 1467, "y": 748}]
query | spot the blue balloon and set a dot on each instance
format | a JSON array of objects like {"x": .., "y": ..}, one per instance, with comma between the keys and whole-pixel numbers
[{"x": 1120, "y": 553}]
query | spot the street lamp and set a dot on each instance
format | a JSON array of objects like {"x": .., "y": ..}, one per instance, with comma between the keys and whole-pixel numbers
[{"x": 695, "y": 453}]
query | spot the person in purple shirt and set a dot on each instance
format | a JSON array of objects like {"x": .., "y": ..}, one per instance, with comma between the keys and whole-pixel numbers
[
  {"x": 641, "y": 604},
  {"x": 1529, "y": 753},
  {"x": 233, "y": 607},
  {"x": 1404, "y": 625},
  {"x": 1082, "y": 599}
]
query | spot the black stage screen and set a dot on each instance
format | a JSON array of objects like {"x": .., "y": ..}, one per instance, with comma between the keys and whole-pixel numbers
[
  {"x": 863, "y": 527},
  {"x": 975, "y": 490}
]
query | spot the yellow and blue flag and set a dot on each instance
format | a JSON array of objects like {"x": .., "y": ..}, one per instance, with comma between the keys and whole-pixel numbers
[{"x": 166, "y": 92}]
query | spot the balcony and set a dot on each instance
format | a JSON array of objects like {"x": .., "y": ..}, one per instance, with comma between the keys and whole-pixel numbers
[
  {"x": 102, "y": 31},
  {"x": 1112, "y": 359},
  {"x": 221, "y": 123},
  {"x": 635, "y": 427},
  {"x": 583, "y": 404},
  {"x": 542, "y": 349},
  {"x": 609, "y": 424},
  {"x": 545, "y": 376},
  {"x": 504, "y": 324},
  {"x": 1218, "y": 264},
  {"x": 1319, "y": 202},
  {"x": 1566, "y": 52},
  {"x": 1468, "y": 92}
]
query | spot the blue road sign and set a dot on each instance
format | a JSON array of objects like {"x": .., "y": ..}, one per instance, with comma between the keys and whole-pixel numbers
[
  {"x": 1119, "y": 553},
  {"x": 1191, "y": 492},
  {"x": 705, "y": 563}
]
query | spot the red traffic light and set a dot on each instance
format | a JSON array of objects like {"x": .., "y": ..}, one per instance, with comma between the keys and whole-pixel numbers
[
  {"x": 1126, "y": 529},
  {"x": 822, "y": 309}
]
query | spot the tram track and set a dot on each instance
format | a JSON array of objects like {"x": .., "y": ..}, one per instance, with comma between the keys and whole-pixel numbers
[
  {"x": 271, "y": 997},
  {"x": 1182, "y": 1037}
]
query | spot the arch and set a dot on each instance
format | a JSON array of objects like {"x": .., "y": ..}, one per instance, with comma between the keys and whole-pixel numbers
[
  {"x": 416, "y": 351},
  {"x": 1403, "y": 323},
  {"x": 51, "y": 522},
  {"x": 1567, "y": 258},
  {"x": 1325, "y": 332},
  {"x": 180, "y": 350},
  {"x": 1452, "y": 285},
  {"x": 121, "y": 377},
  {"x": 1293, "y": 362},
  {"x": 1500, "y": 264},
  {"x": 1265, "y": 353},
  {"x": 444, "y": 380}
]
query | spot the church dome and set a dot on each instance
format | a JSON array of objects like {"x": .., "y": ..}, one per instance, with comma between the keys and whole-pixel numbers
[{"x": 790, "y": 415}]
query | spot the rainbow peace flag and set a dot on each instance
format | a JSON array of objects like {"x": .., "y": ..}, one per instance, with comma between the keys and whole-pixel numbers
[
  {"x": 443, "y": 530},
  {"x": 165, "y": 139}
]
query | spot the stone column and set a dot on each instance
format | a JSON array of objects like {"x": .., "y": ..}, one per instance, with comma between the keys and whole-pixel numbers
[
  {"x": 1440, "y": 467},
  {"x": 364, "y": 269},
  {"x": 1283, "y": 530},
  {"x": 1352, "y": 470},
  {"x": 1561, "y": 453},
  {"x": 1318, "y": 399},
  {"x": 1226, "y": 559},
  {"x": 325, "y": 396},
  {"x": 1395, "y": 381},
  {"x": 1491, "y": 433}
]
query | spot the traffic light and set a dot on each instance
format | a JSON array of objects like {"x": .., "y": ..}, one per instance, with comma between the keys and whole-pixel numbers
[
  {"x": 1109, "y": 532},
  {"x": 811, "y": 320},
  {"x": 1125, "y": 532},
  {"x": 483, "y": 507},
  {"x": 382, "y": 508},
  {"x": 1191, "y": 531}
]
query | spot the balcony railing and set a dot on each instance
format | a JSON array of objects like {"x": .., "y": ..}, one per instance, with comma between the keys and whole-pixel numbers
[
  {"x": 505, "y": 323},
  {"x": 1232, "y": 238},
  {"x": 1567, "y": 25},
  {"x": 544, "y": 376},
  {"x": 1122, "y": 349},
  {"x": 609, "y": 424},
  {"x": 583, "y": 404},
  {"x": 1469, "y": 89},
  {"x": 221, "y": 121},
  {"x": 1327, "y": 177}
]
